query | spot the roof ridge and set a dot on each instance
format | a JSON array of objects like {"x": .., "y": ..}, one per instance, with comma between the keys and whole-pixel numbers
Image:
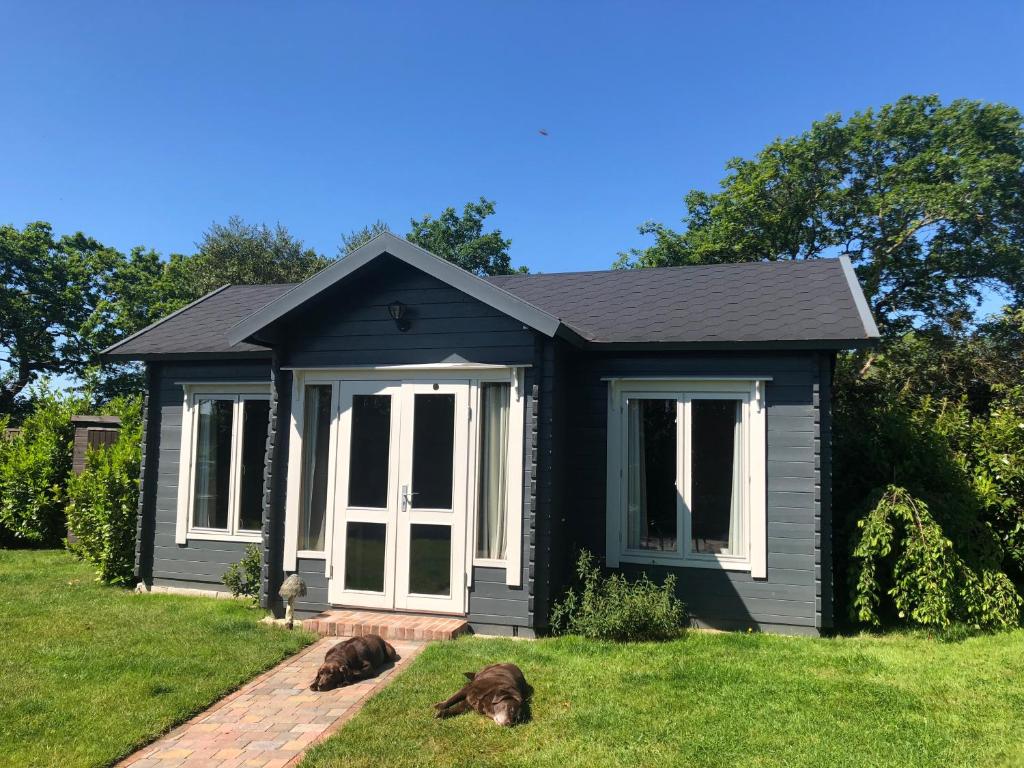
[{"x": 632, "y": 270}]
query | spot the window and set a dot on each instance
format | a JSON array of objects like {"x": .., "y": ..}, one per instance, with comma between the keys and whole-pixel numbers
[
  {"x": 223, "y": 449},
  {"x": 316, "y": 434},
  {"x": 492, "y": 504},
  {"x": 686, "y": 473}
]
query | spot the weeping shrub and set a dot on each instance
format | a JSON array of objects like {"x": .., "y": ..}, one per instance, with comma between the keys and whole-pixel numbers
[
  {"x": 902, "y": 555},
  {"x": 103, "y": 499},
  {"x": 34, "y": 466},
  {"x": 613, "y": 607}
]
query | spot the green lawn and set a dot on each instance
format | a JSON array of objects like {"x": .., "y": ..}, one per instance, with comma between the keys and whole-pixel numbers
[
  {"x": 87, "y": 673},
  {"x": 709, "y": 700}
]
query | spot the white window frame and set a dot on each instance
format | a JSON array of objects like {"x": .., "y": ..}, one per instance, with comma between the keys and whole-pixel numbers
[
  {"x": 475, "y": 374},
  {"x": 750, "y": 393},
  {"x": 512, "y": 562},
  {"x": 238, "y": 393}
]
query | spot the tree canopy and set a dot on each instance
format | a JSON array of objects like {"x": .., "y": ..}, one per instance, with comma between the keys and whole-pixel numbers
[
  {"x": 462, "y": 241},
  {"x": 927, "y": 200}
]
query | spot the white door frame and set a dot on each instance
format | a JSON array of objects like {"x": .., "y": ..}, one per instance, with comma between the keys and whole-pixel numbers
[
  {"x": 399, "y": 515},
  {"x": 342, "y": 514},
  {"x": 453, "y": 517}
]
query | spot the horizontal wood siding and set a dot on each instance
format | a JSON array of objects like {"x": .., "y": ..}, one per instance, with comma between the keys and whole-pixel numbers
[
  {"x": 792, "y": 593},
  {"x": 199, "y": 564},
  {"x": 351, "y": 327}
]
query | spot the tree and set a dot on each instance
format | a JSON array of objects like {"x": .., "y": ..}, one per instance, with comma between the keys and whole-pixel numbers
[
  {"x": 462, "y": 241},
  {"x": 246, "y": 254},
  {"x": 926, "y": 199},
  {"x": 50, "y": 290},
  {"x": 358, "y": 237}
]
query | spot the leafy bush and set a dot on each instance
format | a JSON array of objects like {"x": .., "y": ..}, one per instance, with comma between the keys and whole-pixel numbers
[
  {"x": 615, "y": 608},
  {"x": 103, "y": 499},
  {"x": 903, "y": 554},
  {"x": 243, "y": 577},
  {"x": 928, "y": 501},
  {"x": 34, "y": 466}
]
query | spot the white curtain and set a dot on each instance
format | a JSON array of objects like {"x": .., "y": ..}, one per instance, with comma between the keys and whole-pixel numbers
[
  {"x": 738, "y": 473},
  {"x": 314, "y": 459},
  {"x": 205, "y": 486},
  {"x": 491, "y": 522},
  {"x": 636, "y": 502}
]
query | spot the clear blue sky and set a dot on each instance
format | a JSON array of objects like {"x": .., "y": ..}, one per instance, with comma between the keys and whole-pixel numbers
[{"x": 140, "y": 123}]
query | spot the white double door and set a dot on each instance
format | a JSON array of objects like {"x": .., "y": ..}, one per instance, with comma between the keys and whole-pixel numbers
[{"x": 399, "y": 530}]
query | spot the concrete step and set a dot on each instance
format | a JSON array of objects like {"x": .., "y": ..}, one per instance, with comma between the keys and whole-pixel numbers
[{"x": 390, "y": 626}]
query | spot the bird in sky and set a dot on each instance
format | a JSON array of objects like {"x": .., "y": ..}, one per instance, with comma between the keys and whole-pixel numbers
[{"x": 543, "y": 132}]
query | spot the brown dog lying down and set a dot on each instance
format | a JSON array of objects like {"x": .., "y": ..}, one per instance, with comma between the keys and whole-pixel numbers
[
  {"x": 498, "y": 691},
  {"x": 352, "y": 660}
]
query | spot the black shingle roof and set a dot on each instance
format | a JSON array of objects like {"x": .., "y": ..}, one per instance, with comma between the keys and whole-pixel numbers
[
  {"x": 760, "y": 302},
  {"x": 201, "y": 327},
  {"x": 752, "y": 302}
]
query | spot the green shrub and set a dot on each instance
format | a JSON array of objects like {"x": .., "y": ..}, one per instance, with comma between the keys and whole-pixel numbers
[
  {"x": 103, "y": 499},
  {"x": 614, "y": 607},
  {"x": 243, "y": 577},
  {"x": 34, "y": 466},
  {"x": 903, "y": 555}
]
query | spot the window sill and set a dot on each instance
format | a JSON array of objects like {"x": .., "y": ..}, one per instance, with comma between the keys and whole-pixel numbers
[
  {"x": 311, "y": 554},
  {"x": 212, "y": 535},
  {"x": 483, "y": 562},
  {"x": 674, "y": 561}
]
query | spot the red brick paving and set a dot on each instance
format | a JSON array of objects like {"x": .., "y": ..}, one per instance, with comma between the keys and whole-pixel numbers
[
  {"x": 272, "y": 720},
  {"x": 390, "y": 626}
]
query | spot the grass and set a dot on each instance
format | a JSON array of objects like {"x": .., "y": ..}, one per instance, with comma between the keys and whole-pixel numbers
[
  {"x": 89, "y": 673},
  {"x": 709, "y": 700}
]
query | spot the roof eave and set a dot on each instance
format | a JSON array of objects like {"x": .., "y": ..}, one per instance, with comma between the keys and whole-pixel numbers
[{"x": 145, "y": 357}]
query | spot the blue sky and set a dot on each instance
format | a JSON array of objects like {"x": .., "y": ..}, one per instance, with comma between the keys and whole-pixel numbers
[{"x": 142, "y": 122}]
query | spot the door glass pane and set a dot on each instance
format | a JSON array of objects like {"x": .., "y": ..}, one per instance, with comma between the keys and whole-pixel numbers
[
  {"x": 212, "y": 467},
  {"x": 316, "y": 434},
  {"x": 364, "y": 556},
  {"x": 430, "y": 557},
  {"x": 651, "y": 496},
  {"x": 255, "y": 420},
  {"x": 370, "y": 446},
  {"x": 717, "y": 474},
  {"x": 490, "y": 527},
  {"x": 433, "y": 445}
]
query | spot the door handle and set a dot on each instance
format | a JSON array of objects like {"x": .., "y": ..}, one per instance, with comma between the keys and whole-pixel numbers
[{"x": 407, "y": 497}]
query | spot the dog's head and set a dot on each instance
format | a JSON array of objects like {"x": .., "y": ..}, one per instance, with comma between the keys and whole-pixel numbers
[
  {"x": 506, "y": 711},
  {"x": 330, "y": 675}
]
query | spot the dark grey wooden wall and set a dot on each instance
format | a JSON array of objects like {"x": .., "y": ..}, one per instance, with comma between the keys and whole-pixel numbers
[
  {"x": 198, "y": 564},
  {"x": 797, "y": 589}
]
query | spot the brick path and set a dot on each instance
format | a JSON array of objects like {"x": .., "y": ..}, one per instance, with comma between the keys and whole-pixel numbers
[{"x": 271, "y": 721}]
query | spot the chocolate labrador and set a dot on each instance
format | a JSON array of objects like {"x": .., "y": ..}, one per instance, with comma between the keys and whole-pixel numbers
[
  {"x": 352, "y": 660},
  {"x": 498, "y": 691}
]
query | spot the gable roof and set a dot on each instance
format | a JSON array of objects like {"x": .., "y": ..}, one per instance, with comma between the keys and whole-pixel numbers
[
  {"x": 387, "y": 243},
  {"x": 801, "y": 304},
  {"x": 813, "y": 301}
]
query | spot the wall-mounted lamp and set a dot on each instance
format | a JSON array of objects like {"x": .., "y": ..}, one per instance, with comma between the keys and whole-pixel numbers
[{"x": 397, "y": 311}]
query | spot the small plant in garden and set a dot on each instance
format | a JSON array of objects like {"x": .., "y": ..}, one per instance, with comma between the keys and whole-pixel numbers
[
  {"x": 614, "y": 607},
  {"x": 243, "y": 577}
]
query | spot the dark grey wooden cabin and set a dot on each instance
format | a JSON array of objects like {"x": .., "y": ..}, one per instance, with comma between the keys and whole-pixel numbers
[{"x": 668, "y": 420}]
